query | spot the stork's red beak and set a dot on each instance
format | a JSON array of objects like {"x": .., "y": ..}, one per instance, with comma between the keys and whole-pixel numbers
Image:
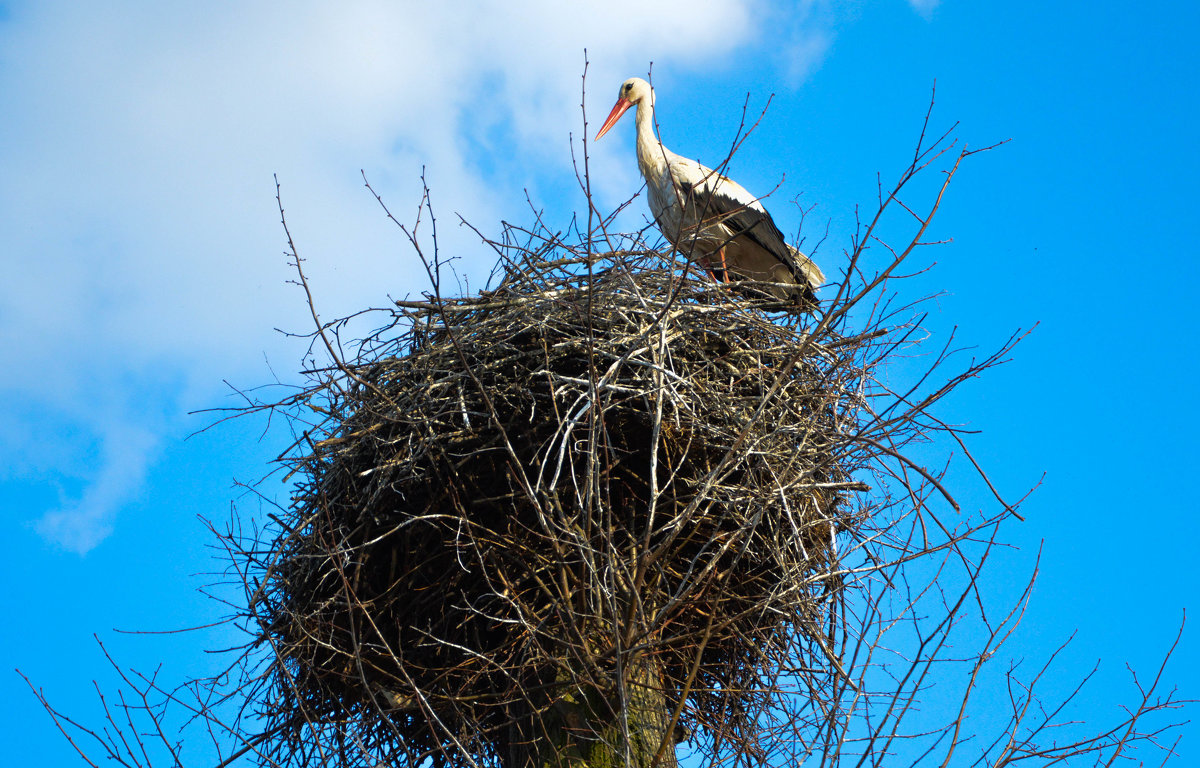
[{"x": 617, "y": 110}]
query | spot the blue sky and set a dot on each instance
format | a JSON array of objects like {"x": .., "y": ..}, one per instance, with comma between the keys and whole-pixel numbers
[{"x": 143, "y": 260}]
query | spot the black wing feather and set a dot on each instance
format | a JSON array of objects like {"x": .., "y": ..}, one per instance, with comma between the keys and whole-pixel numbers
[{"x": 743, "y": 221}]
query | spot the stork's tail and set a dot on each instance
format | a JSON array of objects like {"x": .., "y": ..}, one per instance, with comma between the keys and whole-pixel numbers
[{"x": 809, "y": 277}]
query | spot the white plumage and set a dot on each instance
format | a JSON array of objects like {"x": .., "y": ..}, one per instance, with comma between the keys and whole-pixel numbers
[{"x": 709, "y": 216}]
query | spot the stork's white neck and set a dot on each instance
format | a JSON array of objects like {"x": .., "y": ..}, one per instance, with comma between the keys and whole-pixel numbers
[{"x": 651, "y": 154}]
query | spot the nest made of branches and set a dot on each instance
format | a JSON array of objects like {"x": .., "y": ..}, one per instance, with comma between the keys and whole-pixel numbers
[{"x": 598, "y": 465}]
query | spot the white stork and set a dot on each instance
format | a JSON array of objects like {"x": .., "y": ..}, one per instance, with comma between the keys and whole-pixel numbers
[{"x": 697, "y": 208}]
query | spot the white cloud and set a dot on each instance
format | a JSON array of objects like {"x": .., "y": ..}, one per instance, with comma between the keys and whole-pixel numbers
[{"x": 138, "y": 144}]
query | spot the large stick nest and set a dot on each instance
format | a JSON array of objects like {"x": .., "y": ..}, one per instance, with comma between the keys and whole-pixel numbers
[{"x": 524, "y": 492}]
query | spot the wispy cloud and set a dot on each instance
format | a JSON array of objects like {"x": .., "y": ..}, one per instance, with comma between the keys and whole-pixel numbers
[
  {"x": 139, "y": 143},
  {"x": 82, "y": 523},
  {"x": 801, "y": 34},
  {"x": 806, "y": 53},
  {"x": 924, "y": 7}
]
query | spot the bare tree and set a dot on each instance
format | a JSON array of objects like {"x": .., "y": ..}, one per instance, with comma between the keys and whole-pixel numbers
[{"x": 611, "y": 513}]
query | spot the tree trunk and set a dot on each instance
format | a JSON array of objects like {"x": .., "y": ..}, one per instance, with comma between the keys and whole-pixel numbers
[{"x": 586, "y": 728}]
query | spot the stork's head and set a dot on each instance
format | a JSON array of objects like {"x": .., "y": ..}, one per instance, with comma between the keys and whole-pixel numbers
[{"x": 635, "y": 90}]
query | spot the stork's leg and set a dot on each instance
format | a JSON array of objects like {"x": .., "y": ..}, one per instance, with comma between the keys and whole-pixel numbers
[
  {"x": 718, "y": 274},
  {"x": 724, "y": 269}
]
